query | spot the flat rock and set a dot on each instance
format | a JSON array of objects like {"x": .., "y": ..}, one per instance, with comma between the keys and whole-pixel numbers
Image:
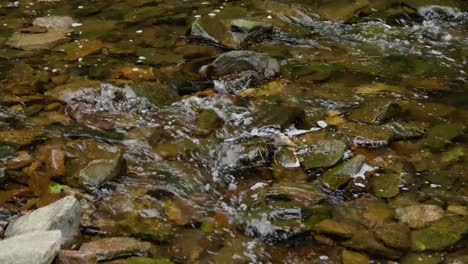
[
  {"x": 439, "y": 235},
  {"x": 36, "y": 247},
  {"x": 53, "y": 22},
  {"x": 76, "y": 257},
  {"x": 238, "y": 61},
  {"x": 47, "y": 40},
  {"x": 115, "y": 247},
  {"x": 418, "y": 216},
  {"x": 90, "y": 164},
  {"x": 341, "y": 174},
  {"x": 63, "y": 215},
  {"x": 324, "y": 154}
]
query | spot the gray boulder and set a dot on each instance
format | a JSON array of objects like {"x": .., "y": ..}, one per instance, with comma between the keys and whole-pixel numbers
[
  {"x": 35, "y": 247},
  {"x": 63, "y": 215}
]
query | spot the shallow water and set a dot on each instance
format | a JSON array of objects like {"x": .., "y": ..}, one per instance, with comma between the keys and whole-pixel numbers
[{"x": 309, "y": 164}]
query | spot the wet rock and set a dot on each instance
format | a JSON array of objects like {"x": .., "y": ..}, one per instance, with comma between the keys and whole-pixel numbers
[
  {"x": 285, "y": 158},
  {"x": 235, "y": 35},
  {"x": 405, "y": 130},
  {"x": 35, "y": 247},
  {"x": 275, "y": 221},
  {"x": 351, "y": 257},
  {"x": 441, "y": 234},
  {"x": 386, "y": 185},
  {"x": 441, "y": 135},
  {"x": 156, "y": 93},
  {"x": 78, "y": 50},
  {"x": 332, "y": 227},
  {"x": 53, "y": 22},
  {"x": 340, "y": 175},
  {"x": 280, "y": 113},
  {"x": 48, "y": 40},
  {"x": 394, "y": 235},
  {"x": 365, "y": 135},
  {"x": 418, "y": 216},
  {"x": 208, "y": 120},
  {"x": 235, "y": 62},
  {"x": 22, "y": 159},
  {"x": 141, "y": 260},
  {"x": 19, "y": 138},
  {"x": 364, "y": 240},
  {"x": 76, "y": 257},
  {"x": 311, "y": 71},
  {"x": 414, "y": 258},
  {"x": 324, "y": 154},
  {"x": 90, "y": 164},
  {"x": 303, "y": 193},
  {"x": 63, "y": 215},
  {"x": 375, "y": 112},
  {"x": 116, "y": 247}
]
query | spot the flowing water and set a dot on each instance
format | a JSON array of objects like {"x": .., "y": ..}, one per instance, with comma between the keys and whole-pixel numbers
[{"x": 339, "y": 139}]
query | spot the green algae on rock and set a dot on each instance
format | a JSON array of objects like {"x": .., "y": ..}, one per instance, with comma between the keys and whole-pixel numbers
[
  {"x": 439, "y": 235},
  {"x": 341, "y": 174},
  {"x": 324, "y": 154}
]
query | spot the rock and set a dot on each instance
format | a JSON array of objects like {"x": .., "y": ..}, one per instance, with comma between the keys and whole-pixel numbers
[
  {"x": 375, "y": 112},
  {"x": 141, "y": 260},
  {"x": 90, "y": 164},
  {"x": 283, "y": 114},
  {"x": 441, "y": 135},
  {"x": 332, "y": 227},
  {"x": 386, "y": 185},
  {"x": 235, "y": 62},
  {"x": 404, "y": 130},
  {"x": 394, "y": 235},
  {"x": 53, "y": 22},
  {"x": 414, "y": 258},
  {"x": 35, "y": 247},
  {"x": 303, "y": 193},
  {"x": 76, "y": 257},
  {"x": 208, "y": 120},
  {"x": 22, "y": 159},
  {"x": 441, "y": 234},
  {"x": 364, "y": 240},
  {"x": 63, "y": 215},
  {"x": 340, "y": 175},
  {"x": 48, "y": 40},
  {"x": 116, "y": 247},
  {"x": 19, "y": 138},
  {"x": 156, "y": 93},
  {"x": 235, "y": 35},
  {"x": 365, "y": 135},
  {"x": 418, "y": 216},
  {"x": 351, "y": 257},
  {"x": 324, "y": 154}
]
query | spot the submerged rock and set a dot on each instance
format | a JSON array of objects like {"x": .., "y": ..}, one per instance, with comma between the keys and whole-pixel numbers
[
  {"x": 394, "y": 235},
  {"x": 116, "y": 247},
  {"x": 303, "y": 193},
  {"x": 418, "y": 216},
  {"x": 375, "y": 112},
  {"x": 441, "y": 135},
  {"x": 19, "y": 138},
  {"x": 90, "y": 164},
  {"x": 63, "y": 215},
  {"x": 235, "y": 35},
  {"x": 442, "y": 234},
  {"x": 351, "y": 257},
  {"x": 76, "y": 257},
  {"x": 324, "y": 154},
  {"x": 48, "y": 40},
  {"x": 235, "y": 62},
  {"x": 36, "y": 247},
  {"x": 386, "y": 185},
  {"x": 340, "y": 175},
  {"x": 335, "y": 228},
  {"x": 365, "y": 135},
  {"x": 53, "y": 22},
  {"x": 283, "y": 114}
]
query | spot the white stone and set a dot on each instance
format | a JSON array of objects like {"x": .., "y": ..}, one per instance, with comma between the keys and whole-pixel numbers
[
  {"x": 63, "y": 215},
  {"x": 35, "y": 247},
  {"x": 54, "y": 22}
]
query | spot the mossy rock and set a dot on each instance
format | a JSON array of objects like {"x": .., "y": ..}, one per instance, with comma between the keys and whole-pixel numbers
[
  {"x": 441, "y": 135},
  {"x": 341, "y": 174},
  {"x": 351, "y": 257},
  {"x": 324, "y": 154},
  {"x": 375, "y": 111},
  {"x": 283, "y": 114},
  {"x": 414, "y": 258},
  {"x": 386, "y": 185},
  {"x": 208, "y": 120},
  {"x": 156, "y": 93},
  {"x": 366, "y": 135},
  {"x": 440, "y": 235},
  {"x": 303, "y": 193},
  {"x": 394, "y": 235},
  {"x": 19, "y": 138},
  {"x": 335, "y": 228}
]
